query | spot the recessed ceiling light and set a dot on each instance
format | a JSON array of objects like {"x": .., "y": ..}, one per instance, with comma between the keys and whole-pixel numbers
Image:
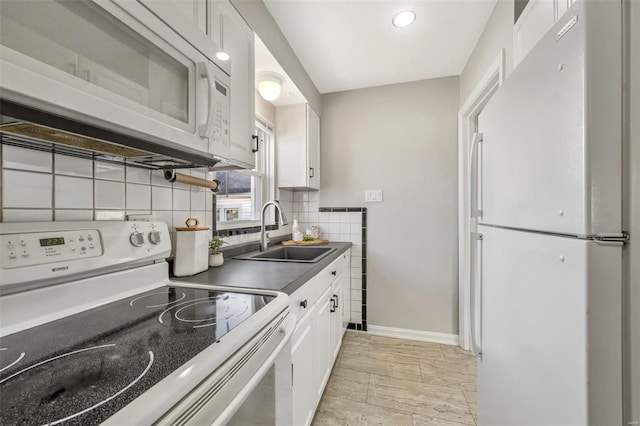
[
  {"x": 223, "y": 56},
  {"x": 404, "y": 18}
]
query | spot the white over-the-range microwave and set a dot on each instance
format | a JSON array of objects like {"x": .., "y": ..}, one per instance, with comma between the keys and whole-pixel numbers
[{"x": 136, "y": 68}]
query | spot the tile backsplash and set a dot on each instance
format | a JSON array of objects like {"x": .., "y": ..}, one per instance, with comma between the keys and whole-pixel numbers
[
  {"x": 45, "y": 186},
  {"x": 339, "y": 224}
]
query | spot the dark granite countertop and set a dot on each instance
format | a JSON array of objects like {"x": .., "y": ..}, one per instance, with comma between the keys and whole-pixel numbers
[{"x": 281, "y": 276}]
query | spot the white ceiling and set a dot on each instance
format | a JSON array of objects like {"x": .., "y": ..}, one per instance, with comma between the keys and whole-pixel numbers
[
  {"x": 265, "y": 61},
  {"x": 351, "y": 44}
]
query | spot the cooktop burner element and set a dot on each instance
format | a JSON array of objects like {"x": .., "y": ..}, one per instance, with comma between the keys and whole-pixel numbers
[
  {"x": 209, "y": 311},
  {"x": 12, "y": 363},
  {"x": 73, "y": 384},
  {"x": 157, "y": 300},
  {"x": 85, "y": 367}
]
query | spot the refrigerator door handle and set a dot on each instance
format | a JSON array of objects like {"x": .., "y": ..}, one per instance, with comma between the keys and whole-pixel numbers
[
  {"x": 473, "y": 173},
  {"x": 475, "y": 346}
]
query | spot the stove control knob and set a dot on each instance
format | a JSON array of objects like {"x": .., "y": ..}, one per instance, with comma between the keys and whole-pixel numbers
[
  {"x": 137, "y": 239},
  {"x": 154, "y": 237}
]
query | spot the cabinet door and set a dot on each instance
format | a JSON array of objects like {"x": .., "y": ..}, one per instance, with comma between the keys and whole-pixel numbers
[
  {"x": 237, "y": 40},
  {"x": 302, "y": 354},
  {"x": 313, "y": 149},
  {"x": 346, "y": 292},
  {"x": 322, "y": 340},
  {"x": 291, "y": 146},
  {"x": 195, "y": 10},
  {"x": 337, "y": 315},
  {"x": 549, "y": 330}
]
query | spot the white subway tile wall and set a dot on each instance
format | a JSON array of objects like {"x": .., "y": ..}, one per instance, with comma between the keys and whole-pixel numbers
[
  {"x": 41, "y": 186},
  {"x": 27, "y": 189},
  {"x": 335, "y": 226},
  {"x": 26, "y": 160}
]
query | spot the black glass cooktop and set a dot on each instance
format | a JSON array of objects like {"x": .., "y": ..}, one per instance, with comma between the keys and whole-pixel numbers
[{"x": 84, "y": 368}]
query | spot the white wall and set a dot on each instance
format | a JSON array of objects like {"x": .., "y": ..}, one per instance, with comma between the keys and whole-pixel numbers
[
  {"x": 265, "y": 109},
  {"x": 497, "y": 35},
  {"x": 402, "y": 139}
]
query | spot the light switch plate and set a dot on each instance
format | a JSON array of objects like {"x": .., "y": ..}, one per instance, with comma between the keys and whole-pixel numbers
[{"x": 373, "y": 195}]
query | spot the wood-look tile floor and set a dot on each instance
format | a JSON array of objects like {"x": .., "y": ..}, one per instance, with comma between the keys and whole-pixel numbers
[{"x": 384, "y": 381}]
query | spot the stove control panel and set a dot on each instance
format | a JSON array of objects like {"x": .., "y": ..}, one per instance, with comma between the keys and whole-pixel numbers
[
  {"x": 36, "y": 248},
  {"x": 43, "y": 252}
]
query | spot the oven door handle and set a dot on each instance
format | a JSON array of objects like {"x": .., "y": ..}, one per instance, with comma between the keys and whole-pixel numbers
[{"x": 287, "y": 327}]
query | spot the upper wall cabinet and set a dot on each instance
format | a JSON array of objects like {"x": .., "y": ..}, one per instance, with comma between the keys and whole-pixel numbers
[
  {"x": 195, "y": 10},
  {"x": 298, "y": 147},
  {"x": 229, "y": 30},
  {"x": 534, "y": 22}
]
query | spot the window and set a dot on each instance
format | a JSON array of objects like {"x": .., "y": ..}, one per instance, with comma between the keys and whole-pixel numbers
[{"x": 242, "y": 192}]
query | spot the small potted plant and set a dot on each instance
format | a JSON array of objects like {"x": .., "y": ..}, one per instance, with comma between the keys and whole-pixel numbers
[{"x": 215, "y": 257}]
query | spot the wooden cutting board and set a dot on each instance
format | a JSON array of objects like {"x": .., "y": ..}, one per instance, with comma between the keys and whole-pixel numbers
[{"x": 304, "y": 243}]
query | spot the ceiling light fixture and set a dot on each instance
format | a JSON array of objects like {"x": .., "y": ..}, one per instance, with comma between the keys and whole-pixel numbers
[
  {"x": 223, "y": 56},
  {"x": 270, "y": 85},
  {"x": 404, "y": 18}
]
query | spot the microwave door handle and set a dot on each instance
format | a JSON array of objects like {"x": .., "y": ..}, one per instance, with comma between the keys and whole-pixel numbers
[
  {"x": 205, "y": 72},
  {"x": 473, "y": 174}
]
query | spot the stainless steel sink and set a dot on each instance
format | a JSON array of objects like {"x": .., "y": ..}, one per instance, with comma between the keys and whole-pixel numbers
[{"x": 291, "y": 254}]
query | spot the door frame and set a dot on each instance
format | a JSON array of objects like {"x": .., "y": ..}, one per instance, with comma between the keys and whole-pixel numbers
[{"x": 467, "y": 116}]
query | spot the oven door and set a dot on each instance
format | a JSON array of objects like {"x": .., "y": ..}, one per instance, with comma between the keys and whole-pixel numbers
[
  {"x": 112, "y": 64},
  {"x": 253, "y": 387}
]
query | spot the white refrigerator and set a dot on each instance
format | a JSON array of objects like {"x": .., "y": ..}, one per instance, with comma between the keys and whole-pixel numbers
[{"x": 546, "y": 257}]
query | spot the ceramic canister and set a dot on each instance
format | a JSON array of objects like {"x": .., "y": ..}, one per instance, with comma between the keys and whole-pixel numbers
[{"x": 192, "y": 249}]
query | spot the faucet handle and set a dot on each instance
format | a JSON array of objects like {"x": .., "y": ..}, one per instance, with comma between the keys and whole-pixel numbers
[{"x": 266, "y": 237}]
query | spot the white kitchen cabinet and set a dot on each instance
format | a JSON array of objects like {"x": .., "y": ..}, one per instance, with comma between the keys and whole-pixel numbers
[
  {"x": 298, "y": 147},
  {"x": 195, "y": 10},
  {"x": 322, "y": 337},
  {"x": 302, "y": 351},
  {"x": 337, "y": 290},
  {"x": 536, "y": 19},
  {"x": 320, "y": 307},
  {"x": 230, "y": 31}
]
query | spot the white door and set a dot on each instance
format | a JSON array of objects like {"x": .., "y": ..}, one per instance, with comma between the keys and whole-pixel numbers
[
  {"x": 549, "y": 331},
  {"x": 551, "y": 149}
]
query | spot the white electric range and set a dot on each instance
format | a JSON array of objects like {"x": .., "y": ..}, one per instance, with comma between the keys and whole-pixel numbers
[{"x": 93, "y": 331}]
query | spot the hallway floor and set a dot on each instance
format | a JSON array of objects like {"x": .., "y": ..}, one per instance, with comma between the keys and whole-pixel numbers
[{"x": 384, "y": 381}]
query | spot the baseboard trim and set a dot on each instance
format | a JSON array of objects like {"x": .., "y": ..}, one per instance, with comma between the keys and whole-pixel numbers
[{"x": 423, "y": 336}]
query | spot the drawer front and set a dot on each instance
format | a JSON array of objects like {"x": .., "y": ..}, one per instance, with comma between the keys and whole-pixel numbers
[
  {"x": 331, "y": 272},
  {"x": 301, "y": 301}
]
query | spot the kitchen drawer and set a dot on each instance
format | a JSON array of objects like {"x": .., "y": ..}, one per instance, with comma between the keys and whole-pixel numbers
[
  {"x": 301, "y": 301},
  {"x": 331, "y": 272}
]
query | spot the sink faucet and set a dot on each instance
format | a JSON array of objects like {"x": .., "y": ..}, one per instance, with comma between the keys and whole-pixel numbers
[{"x": 264, "y": 237}]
